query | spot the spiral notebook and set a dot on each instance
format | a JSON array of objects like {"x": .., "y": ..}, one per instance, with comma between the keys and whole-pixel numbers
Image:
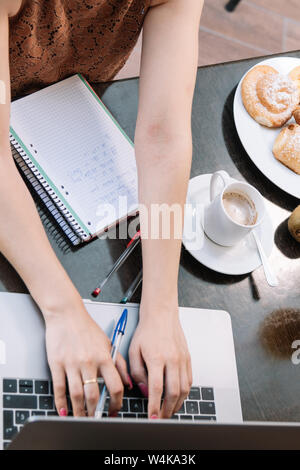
[{"x": 75, "y": 156}]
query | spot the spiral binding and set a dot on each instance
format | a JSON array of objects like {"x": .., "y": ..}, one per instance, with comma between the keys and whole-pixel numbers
[
  {"x": 38, "y": 190},
  {"x": 62, "y": 215}
]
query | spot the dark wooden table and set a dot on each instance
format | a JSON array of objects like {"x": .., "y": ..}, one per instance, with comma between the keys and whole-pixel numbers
[{"x": 269, "y": 381}]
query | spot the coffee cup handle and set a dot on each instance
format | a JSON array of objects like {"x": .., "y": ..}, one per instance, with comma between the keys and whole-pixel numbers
[{"x": 213, "y": 182}]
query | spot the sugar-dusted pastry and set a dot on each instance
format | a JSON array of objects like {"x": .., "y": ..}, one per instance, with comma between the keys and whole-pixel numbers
[
  {"x": 295, "y": 76},
  {"x": 296, "y": 114},
  {"x": 268, "y": 96},
  {"x": 286, "y": 147}
]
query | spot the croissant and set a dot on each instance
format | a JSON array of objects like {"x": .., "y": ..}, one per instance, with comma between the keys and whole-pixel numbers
[
  {"x": 296, "y": 114},
  {"x": 269, "y": 97},
  {"x": 295, "y": 76},
  {"x": 286, "y": 148}
]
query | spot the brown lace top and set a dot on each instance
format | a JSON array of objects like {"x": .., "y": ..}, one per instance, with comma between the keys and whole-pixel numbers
[{"x": 53, "y": 39}]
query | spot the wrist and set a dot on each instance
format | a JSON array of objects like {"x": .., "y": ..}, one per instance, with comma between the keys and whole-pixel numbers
[
  {"x": 55, "y": 306},
  {"x": 156, "y": 305}
]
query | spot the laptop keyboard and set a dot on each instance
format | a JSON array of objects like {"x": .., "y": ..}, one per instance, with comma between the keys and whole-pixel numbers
[{"x": 23, "y": 398}]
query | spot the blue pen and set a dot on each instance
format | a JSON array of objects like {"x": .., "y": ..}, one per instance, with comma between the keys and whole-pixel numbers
[{"x": 118, "y": 334}]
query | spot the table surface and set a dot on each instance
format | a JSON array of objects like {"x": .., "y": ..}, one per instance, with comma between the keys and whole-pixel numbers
[{"x": 269, "y": 381}]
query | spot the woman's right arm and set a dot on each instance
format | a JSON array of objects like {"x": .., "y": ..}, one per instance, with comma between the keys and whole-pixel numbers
[
  {"x": 22, "y": 237},
  {"x": 76, "y": 346}
]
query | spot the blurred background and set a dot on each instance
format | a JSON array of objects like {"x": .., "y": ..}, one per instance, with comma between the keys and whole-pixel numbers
[{"x": 239, "y": 29}]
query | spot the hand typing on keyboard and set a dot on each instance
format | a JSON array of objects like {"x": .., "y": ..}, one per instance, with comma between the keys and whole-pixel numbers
[
  {"x": 79, "y": 350},
  {"x": 159, "y": 345}
]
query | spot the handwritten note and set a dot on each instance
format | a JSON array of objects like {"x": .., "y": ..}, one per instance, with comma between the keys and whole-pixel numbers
[{"x": 79, "y": 147}]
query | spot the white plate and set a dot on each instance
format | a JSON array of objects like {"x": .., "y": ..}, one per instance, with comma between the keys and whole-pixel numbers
[
  {"x": 258, "y": 140},
  {"x": 240, "y": 259}
]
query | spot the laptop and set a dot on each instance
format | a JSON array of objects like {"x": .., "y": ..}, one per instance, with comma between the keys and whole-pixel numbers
[{"x": 28, "y": 416}]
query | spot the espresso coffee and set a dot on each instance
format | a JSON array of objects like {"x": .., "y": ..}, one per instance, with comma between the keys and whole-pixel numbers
[{"x": 239, "y": 208}]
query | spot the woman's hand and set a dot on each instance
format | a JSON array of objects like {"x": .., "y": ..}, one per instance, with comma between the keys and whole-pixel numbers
[
  {"x": 78, "y": 349},
  {"x": 160, "y": 360}
]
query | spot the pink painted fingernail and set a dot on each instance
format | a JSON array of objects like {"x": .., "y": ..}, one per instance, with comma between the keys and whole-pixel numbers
[
  {"x": 143, "y": 388},
  {"x": 130, "y": 382},
  {"x": 63, "y": 412},
  {"x": 154, "y": 417},
  {"x": 113, "y": 415}
]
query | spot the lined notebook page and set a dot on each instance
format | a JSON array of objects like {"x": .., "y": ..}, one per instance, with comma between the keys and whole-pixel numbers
[{"x": 79, "y": 148}]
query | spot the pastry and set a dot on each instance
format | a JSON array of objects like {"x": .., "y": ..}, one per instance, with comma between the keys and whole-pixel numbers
[
  {"x": 294, "y": 224},
  {"x": 296, "y": 114},
  {"x": 269, "y": 97},
  {"x": 286, "y": 148},
  {"x": 295, "y": 76}
]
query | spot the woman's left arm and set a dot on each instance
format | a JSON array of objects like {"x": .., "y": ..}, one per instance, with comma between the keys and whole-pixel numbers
[{"x": 159, "y": 357}]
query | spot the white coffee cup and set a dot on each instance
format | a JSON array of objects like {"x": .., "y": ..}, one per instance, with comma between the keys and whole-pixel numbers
[{"x": 218, "y": 225}]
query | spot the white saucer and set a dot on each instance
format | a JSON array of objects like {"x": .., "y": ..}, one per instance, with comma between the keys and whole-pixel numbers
[{"x": 240, "y": 259}]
